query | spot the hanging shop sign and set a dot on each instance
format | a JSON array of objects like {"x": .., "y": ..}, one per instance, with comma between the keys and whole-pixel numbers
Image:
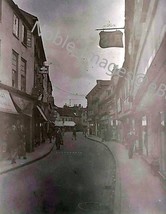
[
  {"x": 111, "y": 39},
  {"x": 44, "y": 70}
]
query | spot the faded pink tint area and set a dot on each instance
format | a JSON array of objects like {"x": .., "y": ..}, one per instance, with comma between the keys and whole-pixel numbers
[
  {"x": 141, "y": 192},
  {"x": 137, "y": 190}
]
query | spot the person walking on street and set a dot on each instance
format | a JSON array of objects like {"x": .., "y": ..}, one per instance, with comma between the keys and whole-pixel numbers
[
  {"x": 8, "y": 149},
  {"x": 13, "y": 139},
  {"x": 22, "y": 142},
  {"x": 131, "y": 141},
  {"x": 49, "y": 134},
  {"x": 74, "y": 134},
  {"x": 58, "y": 139}
]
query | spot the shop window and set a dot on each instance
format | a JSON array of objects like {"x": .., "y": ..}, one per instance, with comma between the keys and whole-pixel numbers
[
  {"x": 16, "y": 26},
  {"x": 23, "y": 75},
  {"x": 24, "y": 35},
  {"x": 14, "y": 69}
]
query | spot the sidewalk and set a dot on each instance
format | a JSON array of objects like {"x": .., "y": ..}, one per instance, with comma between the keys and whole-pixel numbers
[
  {"x": 137, "y": 190},
  {"x": 39, "y": 153}
]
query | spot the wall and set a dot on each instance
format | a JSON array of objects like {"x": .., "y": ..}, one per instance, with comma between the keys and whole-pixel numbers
[{"x": 9, "y": 42}]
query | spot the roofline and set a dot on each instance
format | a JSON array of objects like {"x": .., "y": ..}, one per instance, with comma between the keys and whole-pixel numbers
[
  {"x": 34, "y": 17},
  {"x": 23, "y": 17},
  {"x": 97, "y": 81},
  {"x": 18, "y": 10}
]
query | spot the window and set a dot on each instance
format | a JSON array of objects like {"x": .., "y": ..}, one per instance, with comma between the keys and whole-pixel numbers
[
  {"x": 23, "y": 75},
  {"x": 24, "y": 35},
  {"x": 14, "y": 69},
  {"x": 16, "y": 26}
]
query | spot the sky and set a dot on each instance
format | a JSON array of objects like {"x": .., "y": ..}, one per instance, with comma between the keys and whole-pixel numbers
[{"x": 71, "y": 40}]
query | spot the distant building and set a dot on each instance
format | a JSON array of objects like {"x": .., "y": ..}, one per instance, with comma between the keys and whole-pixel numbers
[{"x": 93, "y": 109}]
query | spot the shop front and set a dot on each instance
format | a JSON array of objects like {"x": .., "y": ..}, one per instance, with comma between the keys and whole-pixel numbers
[
  {"x": 103, "y": 127},
  {"x": 8, "y": 115},
  {"x": 125, "y": 121},
  {"x": 41, "y": 125},
  {"x": 163, "y": 142},
  {"x": 24, "y": 106}
]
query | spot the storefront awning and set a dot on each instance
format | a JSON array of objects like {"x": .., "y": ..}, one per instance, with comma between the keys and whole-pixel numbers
[
  {"x": 23, "y": 105},
  {"x": 6, "y": 103},
  {"x": 42, "y": 113},
  {"x": 28, "y": 110},
  {"x": 69, "y": 123},
  {"x": 59, "y": 123}
]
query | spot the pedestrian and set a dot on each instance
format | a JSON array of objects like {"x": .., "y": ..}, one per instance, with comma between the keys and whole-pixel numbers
[
  {"x": 8, "y": 150},
  {"x": 74, "y": 134},
  {"x": 131, "y": 141},
  {"x": 59, "y": 139},
  {"x": 22, "y": 141},
  {"x": 84, "y": 132},
  {"x": 49, "y": 134},
  {"x": 12, "y": 140},
  {"x": 63, "y": 131}
]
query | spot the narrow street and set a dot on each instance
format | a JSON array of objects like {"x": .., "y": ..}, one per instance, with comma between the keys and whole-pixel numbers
[{"x": 79, "y": 178}]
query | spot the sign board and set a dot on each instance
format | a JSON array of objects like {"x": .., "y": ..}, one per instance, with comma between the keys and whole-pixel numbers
[
  {"x": 111, "y": 39},
  {"x": 44, "y": 70}
]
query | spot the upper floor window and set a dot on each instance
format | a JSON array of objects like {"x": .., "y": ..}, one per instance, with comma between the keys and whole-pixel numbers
[
  {"x": 24, "y": 35},
  {"x": 23, "y": 75},
  {"x": 16, "y": 26},
  {"x": 14, "y": 69}
]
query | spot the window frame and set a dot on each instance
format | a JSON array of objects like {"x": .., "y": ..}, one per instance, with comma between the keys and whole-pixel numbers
[
  {"x": 15, "y": 71},
  {"x": 23, "y": 74},
  {"x": 24, "y": 36},
  {"x": 16, "y": 31}
]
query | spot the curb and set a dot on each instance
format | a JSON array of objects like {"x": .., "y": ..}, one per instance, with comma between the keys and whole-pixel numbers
[
  {"x": 117, "y": 199},
  {"x": 29, "y": 162}
]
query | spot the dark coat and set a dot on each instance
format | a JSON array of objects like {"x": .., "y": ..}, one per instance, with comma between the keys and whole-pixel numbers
[
  {"x": 13, "y": 139},
  {"x": 58, "y": 137}
]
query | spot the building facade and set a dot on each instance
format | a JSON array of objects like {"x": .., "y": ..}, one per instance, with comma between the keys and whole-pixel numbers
[
  {"x": 21, "y": 57},
  {"x": 94, "y": 109},
  {"x": 141, "y": 90}
]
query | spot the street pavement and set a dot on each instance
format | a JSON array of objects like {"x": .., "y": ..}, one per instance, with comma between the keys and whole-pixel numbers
[
  {"x": 137, "y": 190},
  {"x": 80, "y": 178},
  {"x": 40, "y": 152}
]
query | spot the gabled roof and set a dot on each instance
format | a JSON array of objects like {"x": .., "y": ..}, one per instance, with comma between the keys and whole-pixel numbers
[
  {"x": 98, "y": 86},
  {"x": 18, "y": 11},
  {"x": 29, "y": 20},
  {"x": 32, "y": 20}
]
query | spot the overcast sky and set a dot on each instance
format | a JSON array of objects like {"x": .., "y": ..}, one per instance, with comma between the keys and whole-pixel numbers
[{"x": 75, "y": 21}]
